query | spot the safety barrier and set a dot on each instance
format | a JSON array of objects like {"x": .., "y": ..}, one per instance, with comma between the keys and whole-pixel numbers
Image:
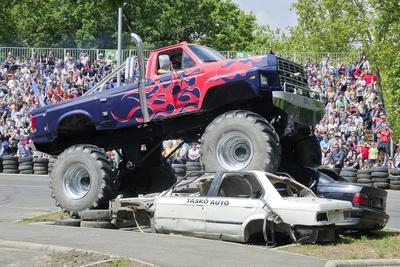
[{"x": 25, "y": 53}]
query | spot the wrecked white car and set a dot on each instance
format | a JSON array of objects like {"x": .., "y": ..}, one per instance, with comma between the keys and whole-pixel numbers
[{"x": 238, "y": 207}]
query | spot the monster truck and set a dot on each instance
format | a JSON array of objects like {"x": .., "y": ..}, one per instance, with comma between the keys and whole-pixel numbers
[{"x": 245, "y": 110}]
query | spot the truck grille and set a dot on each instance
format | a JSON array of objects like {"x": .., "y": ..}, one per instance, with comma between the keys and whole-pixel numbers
[{"x": 292, "y": 74}]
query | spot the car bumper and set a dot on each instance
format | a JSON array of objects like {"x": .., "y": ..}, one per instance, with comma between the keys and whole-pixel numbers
[
  {"x": 365, "y": 219},
  {"x": 315, "y": 234},
  {"x": 301, "y": 109}
]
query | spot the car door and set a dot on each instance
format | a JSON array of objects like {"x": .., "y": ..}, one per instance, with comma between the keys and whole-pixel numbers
[
  {"x": 183, "y": 209},
  {"x": 237, "y": 197}
]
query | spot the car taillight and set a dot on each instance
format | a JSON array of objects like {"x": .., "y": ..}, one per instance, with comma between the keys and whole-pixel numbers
[
  {"x": 360, "y": 198},
  {"x": 33, "y": 123}
]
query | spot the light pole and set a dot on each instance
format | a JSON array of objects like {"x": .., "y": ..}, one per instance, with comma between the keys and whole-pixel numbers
[{"x": 119, "y": 52}]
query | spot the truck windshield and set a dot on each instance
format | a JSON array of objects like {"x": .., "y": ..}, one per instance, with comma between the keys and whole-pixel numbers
[{"x": 206, "y": 54}]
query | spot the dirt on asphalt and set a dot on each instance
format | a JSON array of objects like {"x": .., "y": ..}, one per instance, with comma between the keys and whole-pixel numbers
[{"x": 72, "y": 258}]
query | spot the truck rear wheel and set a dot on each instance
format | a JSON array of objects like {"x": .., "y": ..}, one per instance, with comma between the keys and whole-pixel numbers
[
  {"x": 240, "y": 140},
  {"x": 82, "y": 179}
]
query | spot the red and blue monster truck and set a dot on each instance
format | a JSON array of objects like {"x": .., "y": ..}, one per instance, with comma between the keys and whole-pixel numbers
[{"x": 250, "y": 113}]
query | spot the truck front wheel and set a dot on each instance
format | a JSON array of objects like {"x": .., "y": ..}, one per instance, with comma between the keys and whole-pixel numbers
[
  {"x": 240, "y": 140},
  {"x": 82, "y": 179}
]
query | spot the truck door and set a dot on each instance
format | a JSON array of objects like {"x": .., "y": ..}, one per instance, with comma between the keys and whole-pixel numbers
[{"x": 237, "y": 197}]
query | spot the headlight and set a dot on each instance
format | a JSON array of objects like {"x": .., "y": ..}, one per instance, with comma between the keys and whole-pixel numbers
[{"x": 263, "y": 80}]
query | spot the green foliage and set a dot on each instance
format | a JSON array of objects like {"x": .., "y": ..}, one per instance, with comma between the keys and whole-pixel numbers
[
  {"x": 329, "y": 25},
  {"x": 80, "y": 23},
  {"x": 386, "y": 54}
]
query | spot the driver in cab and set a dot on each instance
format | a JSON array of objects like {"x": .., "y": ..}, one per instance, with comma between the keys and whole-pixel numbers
[{"x": 176, "y": 63}]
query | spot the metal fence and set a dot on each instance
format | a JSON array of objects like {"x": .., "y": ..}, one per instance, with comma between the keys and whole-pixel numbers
[{"x": 24, "y": 53}]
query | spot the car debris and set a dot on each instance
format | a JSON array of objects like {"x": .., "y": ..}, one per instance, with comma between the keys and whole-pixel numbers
[{"x": 236, "y": 206}]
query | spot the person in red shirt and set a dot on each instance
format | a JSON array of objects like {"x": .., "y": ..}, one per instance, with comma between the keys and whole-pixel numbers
[
  {"x": 364, "y": 151},
  {"x": 384, "y": 139},
  {"x": 369, "y": 77}
]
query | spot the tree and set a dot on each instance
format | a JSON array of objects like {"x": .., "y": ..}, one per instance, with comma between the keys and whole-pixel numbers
[
  {"x": 66, "y": 23},
  {"x": 217, "y": 23},
  {"x": 330, "y": 25},
  {"x": 386, "y": 54}
]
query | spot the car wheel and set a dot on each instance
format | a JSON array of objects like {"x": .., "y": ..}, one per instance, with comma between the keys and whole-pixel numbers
[
  {"x": 240, "y": 140},
  {"x": 82, "y": 179}
]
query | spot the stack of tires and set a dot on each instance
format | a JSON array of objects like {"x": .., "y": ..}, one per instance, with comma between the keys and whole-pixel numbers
[
  {"x": 192, "y": 166},
  {"x": 394, "y": 177},
  {"x": 40, "y": 166},
  {"x": 52, "y": 160},
  {"x": 364, "y": 177},
  {"x": 380, "y": 177},
  {"x": 10, "y": 164},
  {"x": 349, "y": 174},
  {"x": 25, "y": 165},
  {"x": 180, "y": 170}
]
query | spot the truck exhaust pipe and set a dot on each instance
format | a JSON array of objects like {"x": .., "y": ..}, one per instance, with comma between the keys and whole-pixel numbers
[{"x": 142, "y": 94}]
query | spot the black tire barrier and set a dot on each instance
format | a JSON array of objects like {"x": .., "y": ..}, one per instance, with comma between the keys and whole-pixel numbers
[
  {"x": 68, "y": 222},
  {"x": 381, "y": 185},
  {"x": 364, "y": 180},
  {"x": 193, "y": 163},
  {"x": 363, "y": 171},
  {"x": 395, "y": 172},
  {"x": 10, "y": 162},
  {"x": 25, "y": 168},
  {"x": 379, "y": 174},
  {"x": 363, "y": 175},
  {"x": 365, "y": 184},
  {"x": 383, "y": 180},
  {"x": 40, "y": 172},
  {"x": 349, "y": 169},
  {"x": 394, "y": 187},
  {"x": 7, "y": 157},
  {"x": 348, "y": 174},
  {"x": 97, "y": 224},
  {"x": 379, "y": 169},
  {"x": 40, "y": 160},
  {"x": 27, "y": 159},
  {"x": 26, "y": 172},
  {"x": 395, "y": 182},
  {"x": 394, "y": 178},
  {"x": 40, "y": 168},
  {"x": 10, "y": 171},
  {"x": 95, "y": 215}
]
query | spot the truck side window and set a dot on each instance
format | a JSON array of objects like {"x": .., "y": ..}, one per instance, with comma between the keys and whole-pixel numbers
[
  {"x": 179, "y": 60},
  {"x": 187, "y": 61},
  {"x": 240, "y": 186}
]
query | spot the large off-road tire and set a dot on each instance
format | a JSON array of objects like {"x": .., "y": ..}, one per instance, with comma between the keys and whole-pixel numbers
[
  {"x": 82, "y": 179},
  {"x": 240, "y": 140}
]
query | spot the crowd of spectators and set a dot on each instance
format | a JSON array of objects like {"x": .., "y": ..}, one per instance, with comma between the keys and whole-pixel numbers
[
  {"x": 183, "y": 154},
  {"x": 57, "y": 79},
  {"x": 354, "y": 131}
]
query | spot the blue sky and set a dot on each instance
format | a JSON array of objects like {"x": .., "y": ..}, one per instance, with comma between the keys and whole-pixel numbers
[{"x": 273, "y": 12}]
